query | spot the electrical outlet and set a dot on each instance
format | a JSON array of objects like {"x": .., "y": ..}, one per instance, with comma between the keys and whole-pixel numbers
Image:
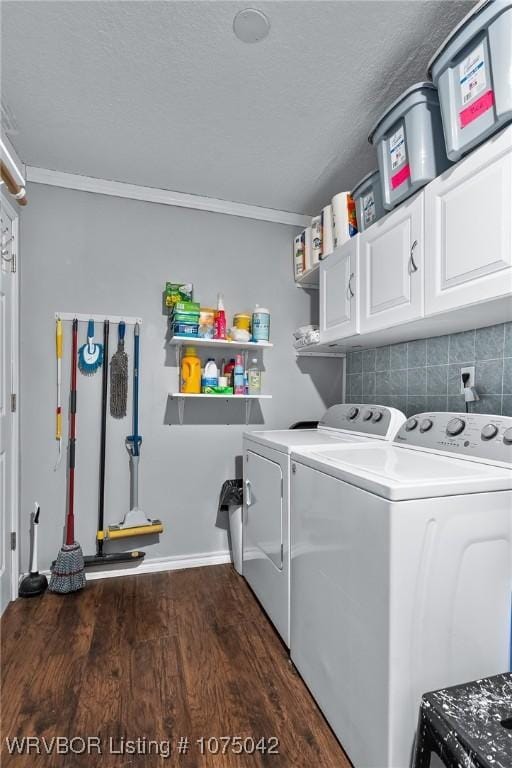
[{"x": 471, "y": 383}]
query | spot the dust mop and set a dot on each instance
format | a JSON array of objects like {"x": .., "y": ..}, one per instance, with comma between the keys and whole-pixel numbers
[
  {"x": 135, "y": 522},
  {"x": 101, "y": 557},
  {"x": 90, "y": 356},
  {"x": 68, "y": 569},
  {"x": 34, "y": 583},
  {"x": 119, "y": 376}
]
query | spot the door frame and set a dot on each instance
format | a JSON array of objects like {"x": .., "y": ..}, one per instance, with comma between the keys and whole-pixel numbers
[{"x": 13, "y": 513}]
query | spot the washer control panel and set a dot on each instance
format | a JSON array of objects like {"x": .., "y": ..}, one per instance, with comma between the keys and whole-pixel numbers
[
  {"x": 470, "y": 434},
  {"x": 376, "y": 420}
]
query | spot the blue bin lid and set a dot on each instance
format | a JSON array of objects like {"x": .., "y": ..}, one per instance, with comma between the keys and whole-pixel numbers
[
  {"x": 426, "y": 85},
  {"x": 486, "y": 11}
]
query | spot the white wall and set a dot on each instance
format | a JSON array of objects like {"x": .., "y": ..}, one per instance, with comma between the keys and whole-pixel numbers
[{"x": 82, "y": 252}]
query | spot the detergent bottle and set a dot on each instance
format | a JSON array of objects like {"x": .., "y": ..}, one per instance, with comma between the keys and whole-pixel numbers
[
  {"x": 239, "y": 376},
  {"x": 191, "y": 372},
  {"x": 211, "y": 375}
]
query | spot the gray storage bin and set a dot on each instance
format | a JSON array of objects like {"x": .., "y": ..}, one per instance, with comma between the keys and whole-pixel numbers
[
  {"x": 410, "y": 144},
  {"x": 367, "y": 196},
  {"x": 473, "y": 73}
]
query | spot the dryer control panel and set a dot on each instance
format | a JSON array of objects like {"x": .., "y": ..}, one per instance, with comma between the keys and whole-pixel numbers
[
  {"x": 375, "y": 420},
  {"x": 475, "y": 435}
]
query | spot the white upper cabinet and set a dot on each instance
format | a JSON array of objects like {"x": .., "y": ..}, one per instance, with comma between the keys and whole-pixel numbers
[
  {"x": 339, "y": 293},
  {"x": 468, "y": 245},
  {"x": 391, "y": 268}
]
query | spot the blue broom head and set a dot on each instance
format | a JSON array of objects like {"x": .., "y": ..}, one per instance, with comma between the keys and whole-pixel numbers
[
  {"x": 90, "y": 358},
  {"x": 68, "y": 573}
]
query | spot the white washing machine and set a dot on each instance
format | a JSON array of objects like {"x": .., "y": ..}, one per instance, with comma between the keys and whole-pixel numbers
[
  {"x": 266, "y": 530},
  {"x": 401, "y": 574}
]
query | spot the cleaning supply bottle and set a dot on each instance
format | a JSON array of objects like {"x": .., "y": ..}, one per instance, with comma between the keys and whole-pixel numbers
[
  {"x": 220, "y": 319},
  {"x": 211, "y": 374},
  {"x": 254, "y": 377},
  {"x": 190, "y": 372},
  {"x": 228, "y": 371},
  {"x": 260, "y": 324},
  {"x": 238, "y": 376}
]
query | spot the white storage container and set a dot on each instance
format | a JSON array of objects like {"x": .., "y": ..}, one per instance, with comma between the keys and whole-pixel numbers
[
  {"x": 473, "y": 74},
  {"x": 410, "y": 144},
  {"x": 368, "y": 199}
]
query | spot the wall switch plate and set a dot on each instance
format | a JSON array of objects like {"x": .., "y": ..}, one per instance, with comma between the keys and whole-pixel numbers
[{"x": 471, "y": 383}]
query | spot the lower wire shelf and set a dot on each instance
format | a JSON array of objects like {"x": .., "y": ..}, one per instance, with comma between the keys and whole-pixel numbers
[{"x": 181, "y": 397}]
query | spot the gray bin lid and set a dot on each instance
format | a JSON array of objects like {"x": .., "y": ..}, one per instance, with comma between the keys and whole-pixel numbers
[
  {"x": 485, "y": 10},
  {"x": 423, "y": 86},
  {"x": 363, "y": 181}
]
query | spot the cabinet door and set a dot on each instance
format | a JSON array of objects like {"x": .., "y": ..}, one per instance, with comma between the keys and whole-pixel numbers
[
  {"x": 339, "y": 299},
  {"x": 391, "y": 268},
  {"x": 468, "y": 243}
]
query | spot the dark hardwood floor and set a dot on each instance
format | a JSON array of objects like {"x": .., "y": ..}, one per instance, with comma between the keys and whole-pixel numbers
[{"x": 160, "y": 656}]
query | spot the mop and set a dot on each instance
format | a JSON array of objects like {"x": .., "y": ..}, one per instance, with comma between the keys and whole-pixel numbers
[
  {"x": 102, "y": 557},
  {"x": 119, "y": 376},
  {"x": 135, "y": 522},
  {"x": 90, "y": 356},
  {"x": 68, "y": 569},
  {"x": 58, "y": 411},
  {"x": 34, "y": 583}
]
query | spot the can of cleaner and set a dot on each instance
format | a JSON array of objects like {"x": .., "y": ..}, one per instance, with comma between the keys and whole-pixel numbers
[{"x": 260, "y": 324}]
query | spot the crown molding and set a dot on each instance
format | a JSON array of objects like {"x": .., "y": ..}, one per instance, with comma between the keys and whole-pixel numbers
[{"x": 162, "y": 196}]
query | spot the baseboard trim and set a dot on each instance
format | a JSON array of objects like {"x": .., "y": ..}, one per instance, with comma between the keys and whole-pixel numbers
[
  {"x": 162, "y": 196},
  {"x": 156, "y": 565}
]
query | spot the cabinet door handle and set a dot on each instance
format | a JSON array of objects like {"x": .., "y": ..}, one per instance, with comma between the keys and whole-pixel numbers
[
  {"x": 413, "y": 267},
  {"x": 350, "y": 292},
  {"x": 248, "y": 496}
]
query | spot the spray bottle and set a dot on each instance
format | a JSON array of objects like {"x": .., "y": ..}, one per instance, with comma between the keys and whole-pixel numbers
[{"x": 220, "y": 319}]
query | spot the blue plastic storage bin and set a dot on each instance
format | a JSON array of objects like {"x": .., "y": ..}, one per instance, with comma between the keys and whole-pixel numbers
[
  {"x": 410, "y": 144},
  {"x": 473, "y": 74},
  {"x": 367, "y": 196}
]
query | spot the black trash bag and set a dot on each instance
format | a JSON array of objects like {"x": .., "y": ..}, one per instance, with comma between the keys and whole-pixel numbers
[{"x": 232, "y": 494}]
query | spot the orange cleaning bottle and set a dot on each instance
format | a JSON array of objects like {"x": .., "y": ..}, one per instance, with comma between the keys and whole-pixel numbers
[{"x": 190, "y": 372}]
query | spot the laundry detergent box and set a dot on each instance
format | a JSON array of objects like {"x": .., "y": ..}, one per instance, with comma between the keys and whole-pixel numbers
[
  {"x": 177, "y": 292},
  {"x": 187, "y": 307},
  {"x": 184, "y": 329},
  {"x": 185, "y": 317}
]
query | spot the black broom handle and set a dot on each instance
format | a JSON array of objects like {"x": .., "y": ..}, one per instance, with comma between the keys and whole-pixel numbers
[{"x": 104, "y": 396}]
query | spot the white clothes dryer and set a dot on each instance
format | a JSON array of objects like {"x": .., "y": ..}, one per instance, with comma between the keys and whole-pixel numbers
[{"x": 266, "y": 513}]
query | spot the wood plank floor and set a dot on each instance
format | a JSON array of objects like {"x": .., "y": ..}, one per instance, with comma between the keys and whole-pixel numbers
[{"x": 159, "y": 656}]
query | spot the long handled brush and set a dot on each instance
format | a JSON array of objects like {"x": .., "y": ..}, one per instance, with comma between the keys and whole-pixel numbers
[
  {"x": 68, "y": 570},
  {"x": 101, "y": 557}
]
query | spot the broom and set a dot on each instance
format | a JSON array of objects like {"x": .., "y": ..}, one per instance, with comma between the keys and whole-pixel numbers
[{"x": 68, "y": 570}]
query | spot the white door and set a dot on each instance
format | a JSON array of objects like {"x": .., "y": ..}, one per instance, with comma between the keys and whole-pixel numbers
[
  {"x": 391, "y": 268},
  {"x": 339, "y": 293},
  {"x": 468, "y": 240},
  {"x": 8, "y": 381},
  {"x": 264, "y": 532}
]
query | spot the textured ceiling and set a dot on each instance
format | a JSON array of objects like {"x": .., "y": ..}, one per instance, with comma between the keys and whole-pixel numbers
[{"x": 162, "y": 93}]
